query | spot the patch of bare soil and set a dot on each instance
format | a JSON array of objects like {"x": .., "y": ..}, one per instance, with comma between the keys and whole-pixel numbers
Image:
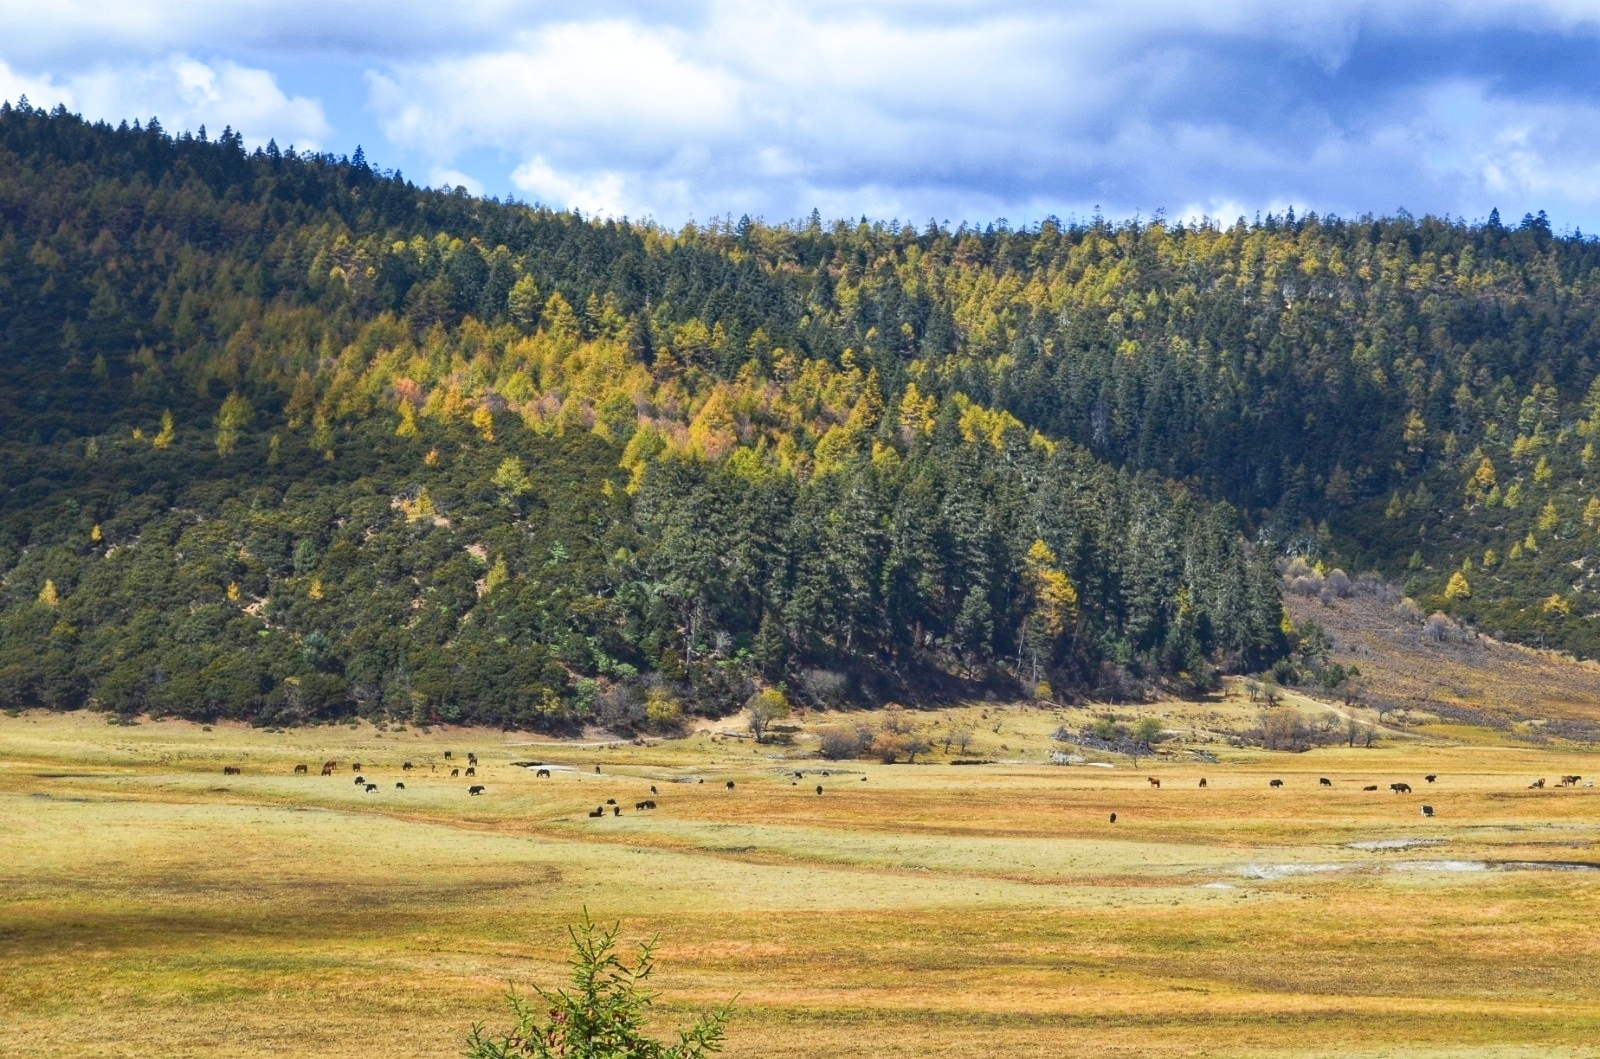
[{"x": 1417, "y": 668}]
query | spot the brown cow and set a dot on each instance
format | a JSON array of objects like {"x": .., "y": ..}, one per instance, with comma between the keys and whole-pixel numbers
[
  {"x": 1371, "y": 788},
  {"x": 300, "y": 770},
  {"x": 1400, "y": 788},
  {"x": 1113, "y": 818},
  {"x": 454, "y": 773},
  {"x": 1153, "y": 782},
  {"x": 406, "y": 767},
  {"x": 355, "y": 766},
  {"x": 472, "y": 770},
  {"x": 472, "y": 759},
  {"x": 1202, "y": 781},
  {"x": 231, "y": 770}
]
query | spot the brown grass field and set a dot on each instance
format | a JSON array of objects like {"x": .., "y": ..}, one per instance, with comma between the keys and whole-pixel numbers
[{"x": 151, "y": 906}]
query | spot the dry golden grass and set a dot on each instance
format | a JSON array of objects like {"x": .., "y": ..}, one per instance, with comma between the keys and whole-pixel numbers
[{"x": 150, "y": 906}]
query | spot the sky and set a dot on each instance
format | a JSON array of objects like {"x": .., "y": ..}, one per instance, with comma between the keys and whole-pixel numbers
[{"x": 960, "y": 110}]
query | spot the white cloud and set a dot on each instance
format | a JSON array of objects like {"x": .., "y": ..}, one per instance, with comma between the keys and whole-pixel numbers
[
  {"x": 954, "y": 108},
  {"x": 185, "y": 93}
]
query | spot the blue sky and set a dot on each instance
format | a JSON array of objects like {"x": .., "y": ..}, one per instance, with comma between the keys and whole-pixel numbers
[{"x": 948, "y": 110}]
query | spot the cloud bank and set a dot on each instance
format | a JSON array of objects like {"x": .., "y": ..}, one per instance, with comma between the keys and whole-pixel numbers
[{"x": 959, "y": 110}]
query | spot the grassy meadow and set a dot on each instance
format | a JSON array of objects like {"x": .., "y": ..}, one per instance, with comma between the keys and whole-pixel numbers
[{"x": 152, "y": 906}]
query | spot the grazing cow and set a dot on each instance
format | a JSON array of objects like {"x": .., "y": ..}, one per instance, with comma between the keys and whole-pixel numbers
[
  {"x": 300, "y": 770},
  {"x": 355, "y": 766},
  {"x": 597, "y": 770},
  {"x": 454, "y": 773},
  {"x": 1153, "y": 782},
  {"x": 231, "y": 770},
  {"x": 327, "y": 770},
  {"x": 472, "y": 759},
  {"x": 360, "y": 780},
  {"x": 476, "y": 788},
  {"x": 1325, "y": 781},
  {"x": 611, "y": 801},
  {"x": 1536, "y": 785},
  {"x": 1113, "y": 818},
  {"x": 1202, "y": 781},
  {"x": 1371, "y": 788},
  {"x": 819, "y": 790},
  {"x": 799, "y": 775},
  {"x": 616, "y": 810},
  {"x": 1430, "y": 777},
  {"x": 542, "y": 774},
  {"x": 399, "y": 786},
  {"x": 371, "y": 787},
  {"x": 406, "y": 767},
  {"x": 329, "y": 766},
  {"x": 447, "y": 755},
  {"x": 599, "y": 810},
  {"x": 638, "y": 807},
  {"x": 472, "y": 770},
  {"x": 730, "y": 785},
  {"x": 1427, "y": 810},
  {"x": 863, "y": 778},
  {"x": 653, "y": 789},
  {"x": 1275, "y": 783},
  {"x": 1400, "y": 788}
]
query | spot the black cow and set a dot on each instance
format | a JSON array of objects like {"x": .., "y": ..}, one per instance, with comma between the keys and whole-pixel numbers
[
  {"x": 1113, "y": 818},
  {"x": 476, "y": 788},
  {"x": 300, "y": 770},
  {"x": 360, "y": 780},
  {"x": 231, "y": 770},
  {"x": 1400, "y": 788},
  {"x": 355, "y": 766},
  {"x": 472, "y": 759},
  {"x": 542, "y": 774},
  {"x": 454, "y": 773},
  {"x": 730, "y": 785},
  {"x": 472, "y": 770},
  {"x": 1325, "y": 781},
  {"x": 1275, "y": 783},
  {"x": 1430, "y": 777},
  {"x": 611, "y": 801},
  {"x": 399, "y": 786},
  {"x": 597, "y": 770},
  {"x": 599, "y": 810},
  {"x": 653, "y": 789},
  {"x": 406, "y": 767},
  {"x": 447, "y": 755},
  {"x": 616, "y": 810},
  {"x": 1427, "y": 810},
  {"x": 371, "y": 787},
  {"x": 819, "y": 788}
]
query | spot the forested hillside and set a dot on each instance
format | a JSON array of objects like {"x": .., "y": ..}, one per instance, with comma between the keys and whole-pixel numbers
[{"x": 286, "y": 437}]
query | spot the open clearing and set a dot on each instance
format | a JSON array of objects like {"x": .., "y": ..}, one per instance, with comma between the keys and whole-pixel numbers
[{"x": 151, "y": 906}]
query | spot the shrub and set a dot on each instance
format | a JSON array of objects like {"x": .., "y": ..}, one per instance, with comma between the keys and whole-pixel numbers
[
  {"x": 602, "y": 1018},
  {"x": 841, "y": 744}
]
